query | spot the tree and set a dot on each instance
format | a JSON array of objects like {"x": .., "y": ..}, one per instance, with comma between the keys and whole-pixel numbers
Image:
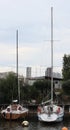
[
  {"x": 66, "y": 74},
  {"x": 66, "y": 87},
  {"x": 66, "y": 67},
  {"x": 12, "y": 86},
  {"x": 43, "y": 87},
  {"x": 37, "y": 91},
  {"x": 8, "y": 88},
  {"x": 2, "y": 90}
]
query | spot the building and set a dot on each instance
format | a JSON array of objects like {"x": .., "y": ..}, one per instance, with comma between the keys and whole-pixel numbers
[
  {"x": 55, "y": 74},
  {"x": 48, "y": 72},
  {"x": 57, "y": 81},
  {"x": 28, "y": 72}
]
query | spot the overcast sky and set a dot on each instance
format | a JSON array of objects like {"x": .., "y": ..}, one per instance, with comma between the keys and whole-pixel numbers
[{"x": 32, "y": 18}]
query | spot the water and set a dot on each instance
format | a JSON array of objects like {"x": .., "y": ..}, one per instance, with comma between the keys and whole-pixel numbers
[{"x": 33, "y": 125}]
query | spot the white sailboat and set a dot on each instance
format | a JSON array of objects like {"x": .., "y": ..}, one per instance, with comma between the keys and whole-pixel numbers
[
  {"x": 48, "y": 111},
  {"x": 15, "y": 110}
]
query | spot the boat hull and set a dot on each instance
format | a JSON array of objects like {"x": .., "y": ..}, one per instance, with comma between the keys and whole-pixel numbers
[
  {"x": 14, "y": 111},
  {"x": 51, "y": 118},
  {"x": 45, "y": 115},
  {"x": 14, "y": 116}
]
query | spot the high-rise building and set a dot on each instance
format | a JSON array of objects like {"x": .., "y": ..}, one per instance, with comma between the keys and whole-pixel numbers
[
  {"x": 48, "y": 72},
  {"x": 55, "y": 74},
  {"x": 28, "y": 72}
]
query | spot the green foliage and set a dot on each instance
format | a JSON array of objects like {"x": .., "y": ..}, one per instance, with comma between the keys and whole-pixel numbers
[
  {"x": 43, "y": 87},
  {"x": 25, "y": 92},
  {"x": 66, "y": 87},
  {"x": 66, "y": 74},
  {"x": 8, "y": 88},
  {"x": 2, "y": 90},
  {"x": 37, "y": 91},
  {"x": 66, "y": 67},
  {"x": 33, "y": 92}
]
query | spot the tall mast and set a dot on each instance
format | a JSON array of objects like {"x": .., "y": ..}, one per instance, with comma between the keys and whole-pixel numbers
[
  {"x": 17, "y": 65},
  {"x": 51, "y": 54}
]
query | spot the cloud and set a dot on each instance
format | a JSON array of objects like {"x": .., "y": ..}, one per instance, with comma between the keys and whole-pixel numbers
[{"x": 33, "y": 21}]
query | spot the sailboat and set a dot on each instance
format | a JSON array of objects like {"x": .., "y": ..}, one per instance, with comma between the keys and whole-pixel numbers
[
  {"x": 48, "y": 111},
  {"x": 15, "y": 110}
]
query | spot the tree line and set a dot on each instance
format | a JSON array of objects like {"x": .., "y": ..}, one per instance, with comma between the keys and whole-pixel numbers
[
  {"x": 37, "y": 91},
  {"x": 9, "y": 89}
]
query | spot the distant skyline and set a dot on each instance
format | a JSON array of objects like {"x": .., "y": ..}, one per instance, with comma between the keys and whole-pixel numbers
[{"x": 32, "y": 18}]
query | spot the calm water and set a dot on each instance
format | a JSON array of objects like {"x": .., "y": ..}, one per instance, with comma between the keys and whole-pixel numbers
[{"x": 33, "y": 125}]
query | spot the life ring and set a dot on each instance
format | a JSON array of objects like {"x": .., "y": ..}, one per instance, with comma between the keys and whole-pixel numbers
[
  {"x": 58, "y": 110},
  {"x": 39, "y": 109}
]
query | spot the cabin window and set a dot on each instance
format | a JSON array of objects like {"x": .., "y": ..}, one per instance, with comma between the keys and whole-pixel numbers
[{"x": 8, "y": 109}]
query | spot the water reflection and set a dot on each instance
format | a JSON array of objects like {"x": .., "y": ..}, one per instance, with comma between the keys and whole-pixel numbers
[
  {"x": 8, "y": 125},
  {"x": 33, "y": 125}
]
